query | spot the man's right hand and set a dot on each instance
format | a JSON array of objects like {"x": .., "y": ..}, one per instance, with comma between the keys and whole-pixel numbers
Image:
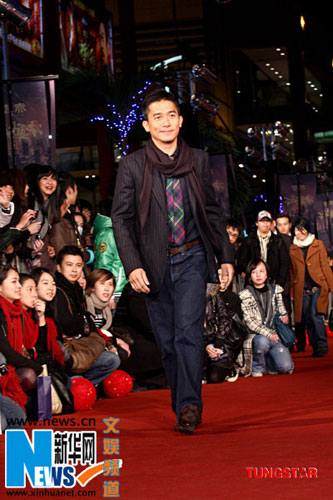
[{"x": 139, "y": 280}]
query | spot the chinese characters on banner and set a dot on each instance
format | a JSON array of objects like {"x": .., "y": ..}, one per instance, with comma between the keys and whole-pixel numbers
[
  {"x": 111, "y": 464},
  {"x": 31, "y": 126}
]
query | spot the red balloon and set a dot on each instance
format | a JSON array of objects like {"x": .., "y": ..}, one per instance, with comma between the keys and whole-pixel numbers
[
  {"x": 118, "y": 384},
  {"x": 84, "y": 393}
]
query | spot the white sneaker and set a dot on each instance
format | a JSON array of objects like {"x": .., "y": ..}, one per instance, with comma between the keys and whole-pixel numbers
[
  {"x": 257, "y": 374},
  {"x": 232, "y": 378}
]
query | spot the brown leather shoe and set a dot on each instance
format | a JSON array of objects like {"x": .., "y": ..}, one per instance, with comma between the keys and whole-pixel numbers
[{"x": 189, "y": 419}]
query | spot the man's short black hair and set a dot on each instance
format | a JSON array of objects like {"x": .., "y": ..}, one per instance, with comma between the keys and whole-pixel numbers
[
  {"x": 284, "y": 216},
  {"x": 68, "y": 250},
  {"x": 157, "y": 96},
  {"x": 233, "y": 223}
]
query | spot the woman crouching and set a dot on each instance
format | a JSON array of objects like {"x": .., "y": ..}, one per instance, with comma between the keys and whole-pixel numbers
[{"x": 259, "y": 305}]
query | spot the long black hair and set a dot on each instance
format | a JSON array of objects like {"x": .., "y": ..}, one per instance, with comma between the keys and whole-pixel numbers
[{"x": 35, "y": 172}]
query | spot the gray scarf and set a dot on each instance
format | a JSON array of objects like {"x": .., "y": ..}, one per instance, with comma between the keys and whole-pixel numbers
[{"x": 94, "y": 303}]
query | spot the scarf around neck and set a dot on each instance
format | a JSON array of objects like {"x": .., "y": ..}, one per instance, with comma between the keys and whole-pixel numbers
[
  {"x": 73, "y": 290},
  {"x": 263, "y": 242},
  {"x": 263, "y": 298},
  {"x": 10, "y": 384},
  {"x": 305, "y": 243},
  {"x": 93, "y": 302},
  {"x": 182, "y": 165},
  {"x": 13, "y": 312}
]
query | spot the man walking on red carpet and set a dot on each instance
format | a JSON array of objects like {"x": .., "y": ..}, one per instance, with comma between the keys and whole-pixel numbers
[{"x": 170, "y": 237}]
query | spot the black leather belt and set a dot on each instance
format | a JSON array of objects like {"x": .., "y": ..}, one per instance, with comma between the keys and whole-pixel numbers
[{"x": 175, "y": 250}]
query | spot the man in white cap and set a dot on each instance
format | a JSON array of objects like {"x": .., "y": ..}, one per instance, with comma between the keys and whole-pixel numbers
[{"x": 268, "y": 246}]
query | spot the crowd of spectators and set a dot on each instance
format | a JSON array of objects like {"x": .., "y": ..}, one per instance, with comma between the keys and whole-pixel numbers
[{"x": 61, "y": 280}]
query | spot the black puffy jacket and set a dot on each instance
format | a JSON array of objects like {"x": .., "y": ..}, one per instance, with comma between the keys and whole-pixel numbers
[{"x": 224, "y": 326}]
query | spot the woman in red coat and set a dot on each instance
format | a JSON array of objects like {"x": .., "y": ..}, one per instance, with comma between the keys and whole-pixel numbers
[
  {"x": 311, "y": 279},
  {"x": 22, "y": 370}
]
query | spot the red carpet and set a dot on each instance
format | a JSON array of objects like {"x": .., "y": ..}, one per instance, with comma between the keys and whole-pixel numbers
[{"x": 281, "y": 421}]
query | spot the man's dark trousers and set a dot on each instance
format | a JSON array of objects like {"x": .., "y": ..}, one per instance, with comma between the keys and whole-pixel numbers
[{"x": 177, "y": 314}]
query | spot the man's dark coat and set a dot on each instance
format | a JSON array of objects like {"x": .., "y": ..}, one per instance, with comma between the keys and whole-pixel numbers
[
  {"x": 278, "y": 259},
  {"x": 148, "y": 249}
]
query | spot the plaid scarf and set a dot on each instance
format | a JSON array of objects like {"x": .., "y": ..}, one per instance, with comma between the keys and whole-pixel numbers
[{"x": 182, "y": 165}]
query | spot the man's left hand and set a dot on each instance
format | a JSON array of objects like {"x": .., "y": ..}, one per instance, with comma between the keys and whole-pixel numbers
[{"x": 226, "y": 273}]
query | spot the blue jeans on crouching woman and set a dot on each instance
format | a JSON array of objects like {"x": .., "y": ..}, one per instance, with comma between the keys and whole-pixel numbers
[
  {"x": 271, "y": 355},
  {"x": 177, "y": 314}
]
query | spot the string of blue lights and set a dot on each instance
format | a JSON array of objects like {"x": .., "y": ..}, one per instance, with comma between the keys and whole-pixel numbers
[{"x": 122, "y": 121}]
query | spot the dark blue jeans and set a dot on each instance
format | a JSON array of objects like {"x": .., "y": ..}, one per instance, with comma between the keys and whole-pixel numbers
[
  {"x": 314, "y": 322},
  {"x": 177, "y": 315}
]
